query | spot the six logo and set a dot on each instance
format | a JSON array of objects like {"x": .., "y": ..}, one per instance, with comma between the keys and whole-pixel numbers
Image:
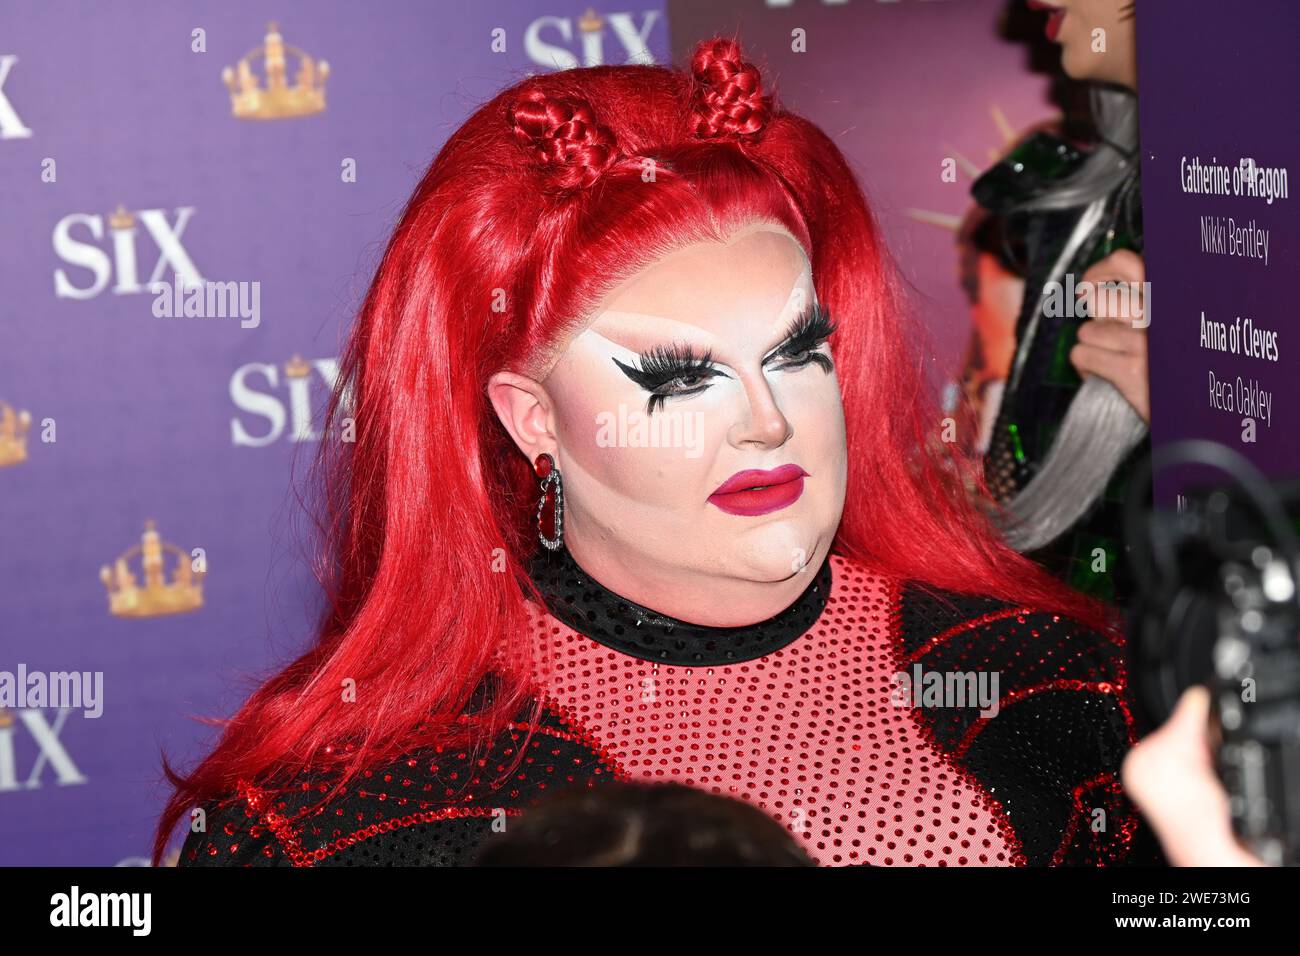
[
  {"x": 11, "y": 127},
  {"x": 591, "y": 27},
  {"x": 78, "y": 252},
  {"x": 51, "y": 751},
  {"x": 297, "y": 381}
]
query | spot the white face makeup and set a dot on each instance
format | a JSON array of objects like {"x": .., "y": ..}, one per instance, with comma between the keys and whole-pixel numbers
[{"x": 709, "y": 363}]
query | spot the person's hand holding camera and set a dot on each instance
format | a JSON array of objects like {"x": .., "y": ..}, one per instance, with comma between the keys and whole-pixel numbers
[{"x": 1170, "y": 776}]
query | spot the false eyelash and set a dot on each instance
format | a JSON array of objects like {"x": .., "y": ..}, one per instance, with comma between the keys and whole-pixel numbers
[
  {"x": 810, "y": 330},
  {"x": 663, "y": 365}
]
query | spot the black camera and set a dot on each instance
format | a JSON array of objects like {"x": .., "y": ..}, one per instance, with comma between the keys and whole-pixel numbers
[{"x": 1218, "y": 605}]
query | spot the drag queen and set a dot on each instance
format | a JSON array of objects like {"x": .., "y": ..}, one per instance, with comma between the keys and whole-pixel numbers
[{"x": 638, "y": 492}]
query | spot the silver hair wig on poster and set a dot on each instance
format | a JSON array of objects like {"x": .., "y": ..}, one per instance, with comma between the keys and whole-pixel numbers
[{"x": 1100, "y": 428}]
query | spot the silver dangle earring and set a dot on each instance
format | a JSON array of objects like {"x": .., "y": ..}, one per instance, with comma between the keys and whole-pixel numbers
[{"x": 550, "y": 520}]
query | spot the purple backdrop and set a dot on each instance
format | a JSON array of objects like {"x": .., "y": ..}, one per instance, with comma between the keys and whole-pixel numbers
[{"x": 197, "y": 423}]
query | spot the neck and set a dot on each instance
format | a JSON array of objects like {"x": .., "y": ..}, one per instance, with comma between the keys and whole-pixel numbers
[
  {"x": 712, "y": 600},
  {"x": 607, "y": 617}
]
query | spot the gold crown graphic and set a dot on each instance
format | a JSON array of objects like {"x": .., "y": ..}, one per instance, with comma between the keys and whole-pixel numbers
[
  {"x": 13, "y": 435},
  {"x": 127, "y": 598},
  {"x": 276, "y": 100},
  {"x": 297, "y": 367},
  {"x": 591, "y": 22},
  {"x": 121, "y": 218}
]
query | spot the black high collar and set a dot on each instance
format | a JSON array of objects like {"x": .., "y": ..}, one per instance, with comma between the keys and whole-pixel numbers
[{"x": 577, "y": 599}]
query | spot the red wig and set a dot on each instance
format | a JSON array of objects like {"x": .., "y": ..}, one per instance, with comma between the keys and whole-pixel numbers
[{"x": 549, "y": 195}]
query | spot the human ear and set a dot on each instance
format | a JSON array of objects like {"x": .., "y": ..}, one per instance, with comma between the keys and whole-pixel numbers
[{"x": 526, "y": 412}]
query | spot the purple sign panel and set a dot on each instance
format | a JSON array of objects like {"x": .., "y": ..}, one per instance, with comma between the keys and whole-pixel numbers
[{"x": 1220, "y": 146}]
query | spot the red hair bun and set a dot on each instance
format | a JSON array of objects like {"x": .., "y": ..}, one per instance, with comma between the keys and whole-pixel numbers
[
  {"x": 729, "y": 98},
  {"x": 562, "y": 135}
]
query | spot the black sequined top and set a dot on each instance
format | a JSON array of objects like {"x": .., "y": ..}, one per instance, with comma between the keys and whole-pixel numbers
[{"x": 1001, "y": 745}]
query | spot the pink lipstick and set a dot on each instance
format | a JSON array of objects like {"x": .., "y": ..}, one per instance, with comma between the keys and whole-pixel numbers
[{"x": 757, "y": 492}]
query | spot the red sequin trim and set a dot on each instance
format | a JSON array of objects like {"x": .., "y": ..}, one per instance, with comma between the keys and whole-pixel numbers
[
  {"x": 1002, "y": 819},
  {"x": 575, "y": 732},
  {"x": 1015, "y": 697},
  {"x": 1127, "y": 827},
  {"x": 293, "y": 849}
]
